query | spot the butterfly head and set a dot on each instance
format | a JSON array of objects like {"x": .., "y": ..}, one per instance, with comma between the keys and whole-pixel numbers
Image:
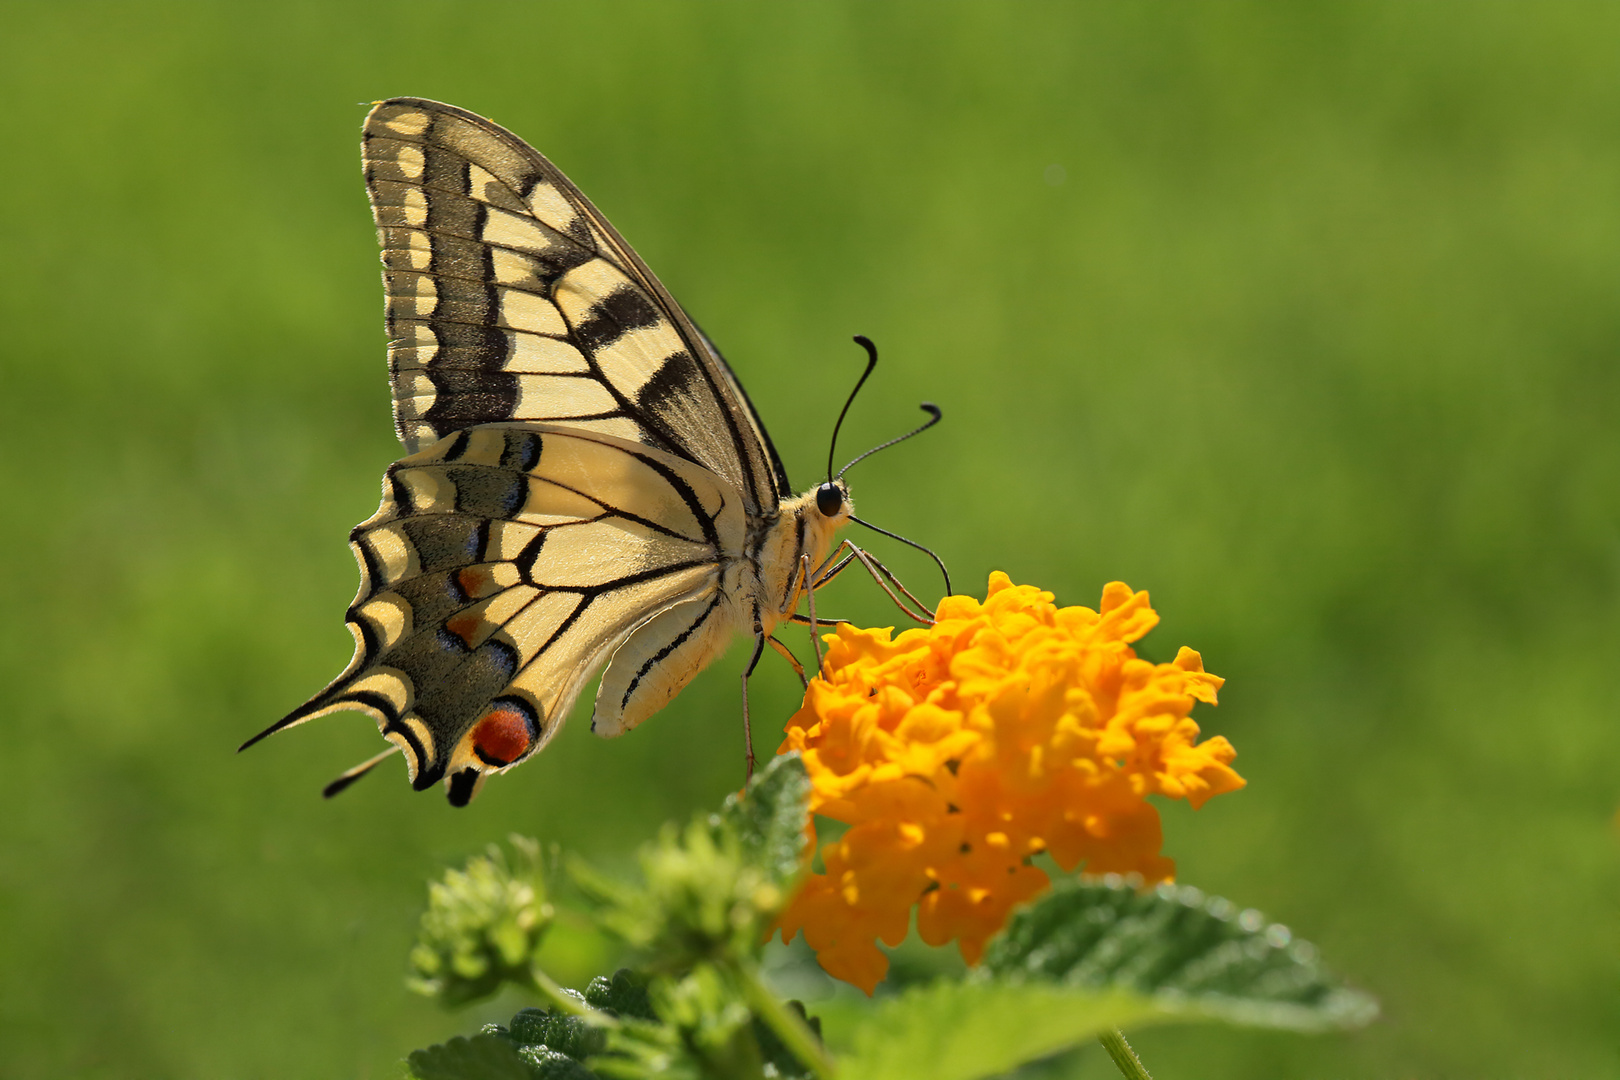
[
  {"x": 826, "y": 509},
  {"x": 832, "y": 501}
]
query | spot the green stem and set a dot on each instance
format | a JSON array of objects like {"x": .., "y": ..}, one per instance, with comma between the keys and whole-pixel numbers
[
  {"x": 793, "y": 1032},
  {"x": 1125, "y": 1058},
  {"x": 549, "y": 990}
]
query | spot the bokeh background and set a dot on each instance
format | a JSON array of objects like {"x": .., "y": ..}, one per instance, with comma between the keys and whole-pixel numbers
[{"x": 1303, "y": 316}]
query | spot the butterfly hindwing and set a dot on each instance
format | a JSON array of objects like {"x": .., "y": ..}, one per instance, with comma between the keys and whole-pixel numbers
[
  {"x": 657, "y": 661},
  {"x": 505, "y": 564},
  {"x": 510, "y": 298}
]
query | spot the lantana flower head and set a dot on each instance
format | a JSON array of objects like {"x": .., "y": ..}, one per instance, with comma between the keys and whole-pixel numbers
[{"x": 957, "y": 752}]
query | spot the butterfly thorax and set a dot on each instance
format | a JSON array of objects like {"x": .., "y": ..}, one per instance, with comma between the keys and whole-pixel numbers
[
  {"x": 758, "y": 583},
  {"x": 776, "y": 552}
]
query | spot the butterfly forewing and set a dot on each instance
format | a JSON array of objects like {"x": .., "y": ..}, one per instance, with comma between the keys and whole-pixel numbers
[{"x": 510, "y": 298}]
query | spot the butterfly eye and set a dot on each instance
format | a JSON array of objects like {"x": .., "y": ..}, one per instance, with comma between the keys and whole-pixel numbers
[{"x": 829, "y": 500}]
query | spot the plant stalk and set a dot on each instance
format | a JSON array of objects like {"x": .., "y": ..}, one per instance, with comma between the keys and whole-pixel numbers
[
  {"x": 793, "y": 1032},
  {"x": 1125, "y": 1058}
]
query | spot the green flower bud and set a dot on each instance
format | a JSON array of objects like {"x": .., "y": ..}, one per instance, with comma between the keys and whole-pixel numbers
[{"x": 482, "y": 926}]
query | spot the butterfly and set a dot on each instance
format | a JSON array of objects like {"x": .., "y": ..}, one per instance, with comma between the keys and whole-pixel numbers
[{"x": 585, "y": 480}]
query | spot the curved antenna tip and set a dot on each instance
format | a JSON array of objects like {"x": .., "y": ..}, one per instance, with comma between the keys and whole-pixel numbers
[
  {"x": 871, "y": 362},
  {"x": 934, "y": 417}
]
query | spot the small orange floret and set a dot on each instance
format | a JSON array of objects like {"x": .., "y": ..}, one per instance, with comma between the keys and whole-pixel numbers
[
  {"x": 502, "y": 736},
  {"x": 956, "y": 752}
]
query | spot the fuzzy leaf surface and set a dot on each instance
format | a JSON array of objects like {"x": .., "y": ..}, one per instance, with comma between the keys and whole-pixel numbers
[
  {"x": 1195, "y": 955},
  {"x": 1091, "y": 955},
  {"x": 963, "y": 1030},
  {"x": 768, "y": 820},
  {"x": 482, "y": 1057}
]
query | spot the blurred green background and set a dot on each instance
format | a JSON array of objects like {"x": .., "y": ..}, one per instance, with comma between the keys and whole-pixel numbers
[{"x": 1303, "y": 316}]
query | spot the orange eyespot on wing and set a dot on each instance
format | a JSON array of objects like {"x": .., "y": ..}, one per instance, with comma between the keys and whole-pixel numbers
[{"x": 504, "y": 734}]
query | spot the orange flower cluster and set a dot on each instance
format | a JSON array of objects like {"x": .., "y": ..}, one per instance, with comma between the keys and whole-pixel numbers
[{"x": 956, "y": 752}]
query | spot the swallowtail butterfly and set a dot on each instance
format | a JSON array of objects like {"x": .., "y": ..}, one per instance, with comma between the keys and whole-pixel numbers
[{"x": 585, "y": 482}]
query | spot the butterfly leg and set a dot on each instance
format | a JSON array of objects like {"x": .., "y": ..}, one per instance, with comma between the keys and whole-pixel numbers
[
  {"x": 815, "y": 637},
  {"x": 748, "y": 732},
  {"x": 827, "y": 571},
  {"x": 879, "y": 573},
  {"x": 820, "y": 578},
  {"x": 804, "y": 620},
  {"x": 786, "y": 654}
]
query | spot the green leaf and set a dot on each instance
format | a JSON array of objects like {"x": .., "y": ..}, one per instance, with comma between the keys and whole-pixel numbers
[
  {"x": 769, "y": 818},
  {"x": 625, "y": 994},
  {"x": 1089, "y": 956},
  {"x": 962, "y": 1030},
  {"x": 558, "y": 1032},
  {"x": 482, "y": 1057},
  {"x": 547, "y": 1064},
  {"x": 1197, "y": 956}
]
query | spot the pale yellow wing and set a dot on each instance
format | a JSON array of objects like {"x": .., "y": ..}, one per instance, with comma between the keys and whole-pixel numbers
[
  {"x": 504, "y": 566},
  {"x": 657, "y": 661}
]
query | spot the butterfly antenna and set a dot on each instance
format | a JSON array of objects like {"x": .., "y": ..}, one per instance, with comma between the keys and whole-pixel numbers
[
  {"x": 871, "y": 362},
  {"x": 934, "y": 417},
  {"x": 896, "y": 536}
]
